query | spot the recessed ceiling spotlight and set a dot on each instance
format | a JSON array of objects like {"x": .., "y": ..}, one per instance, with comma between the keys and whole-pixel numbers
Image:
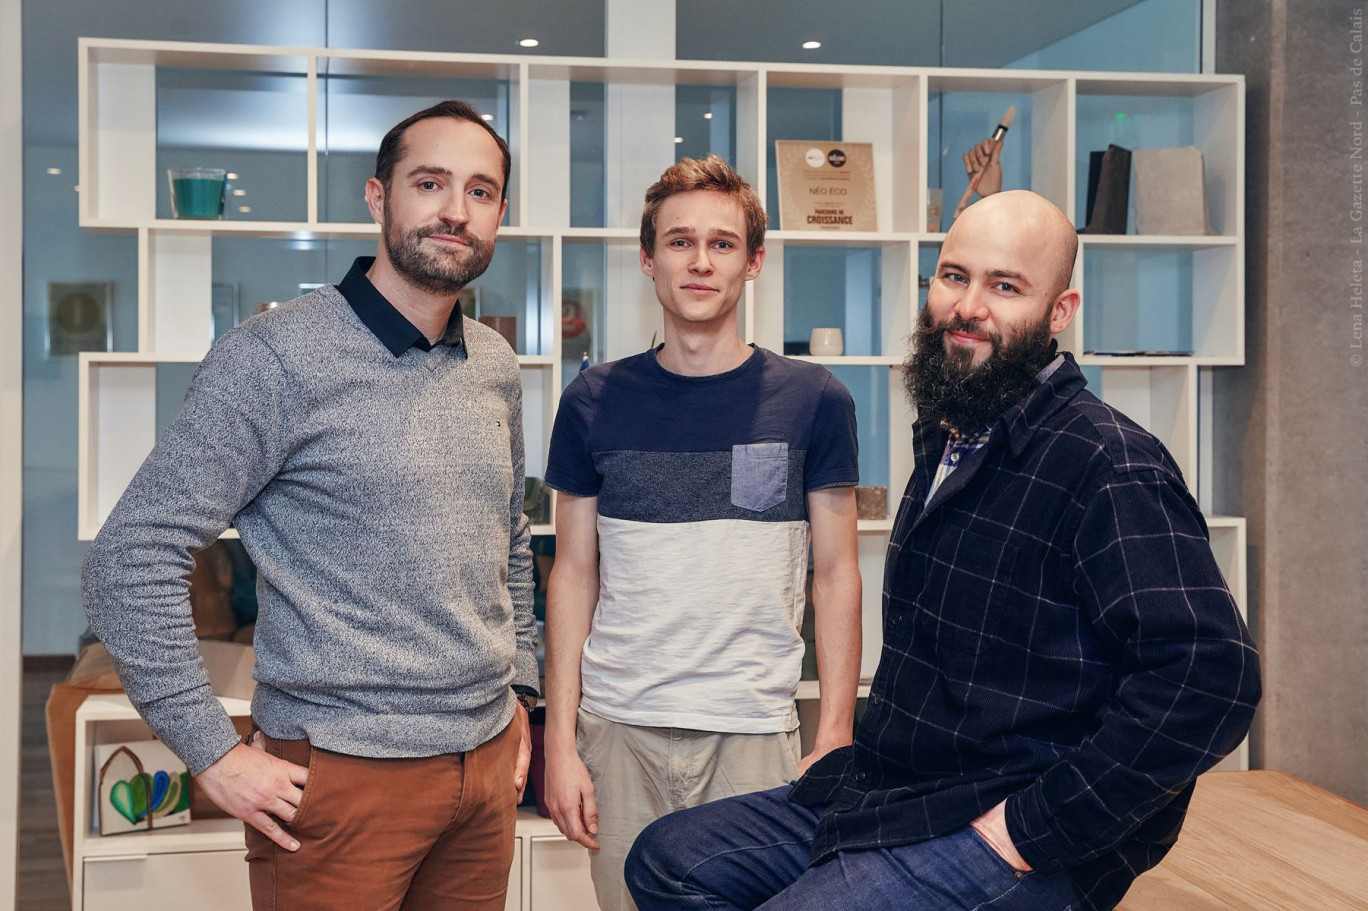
[
  {"x": 244, "y": 209},
  {"x": 54, "y": 171},
  {"x": 239, "y": 192},
  {"x": 811, "y": 45},
  {"x": 708, "y": 116},
  {"x": 679, "y": 139},
  {"x": 486, "y": 117},
  {"x": 528, "y": 42},
  {"x": 232, "y": 176}
]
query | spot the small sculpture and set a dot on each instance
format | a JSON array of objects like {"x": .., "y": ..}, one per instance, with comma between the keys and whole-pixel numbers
[{"x": 981, "y": 162}]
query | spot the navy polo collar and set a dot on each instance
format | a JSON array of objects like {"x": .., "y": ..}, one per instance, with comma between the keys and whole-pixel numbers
[{"x": 390, "y": 326}]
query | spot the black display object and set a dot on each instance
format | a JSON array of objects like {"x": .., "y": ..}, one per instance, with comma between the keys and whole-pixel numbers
[{"x": 1108, "y": 191}]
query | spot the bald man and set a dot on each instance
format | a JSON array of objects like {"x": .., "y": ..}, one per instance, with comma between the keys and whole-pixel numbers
[{"x": 1061, "y": 656}]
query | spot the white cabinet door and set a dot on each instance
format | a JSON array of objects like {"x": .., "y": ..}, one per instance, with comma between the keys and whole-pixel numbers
[
  {"x": 560, "y": 876},
  {"x": 206, "y": 881},
  {"x": 514, "y": 902}
]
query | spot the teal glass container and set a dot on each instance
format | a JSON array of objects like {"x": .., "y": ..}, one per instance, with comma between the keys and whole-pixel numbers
[{"x": 198, "y": 192}]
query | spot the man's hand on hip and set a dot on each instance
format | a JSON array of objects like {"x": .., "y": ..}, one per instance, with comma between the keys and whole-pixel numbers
[
  {"x": 258, "y": 789},
  {"x": 992, "y": 826},
  {"x": 570, "y": 797}
]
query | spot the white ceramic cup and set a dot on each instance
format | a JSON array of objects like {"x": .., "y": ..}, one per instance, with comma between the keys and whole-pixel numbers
[{"x": 826, "y": 342}]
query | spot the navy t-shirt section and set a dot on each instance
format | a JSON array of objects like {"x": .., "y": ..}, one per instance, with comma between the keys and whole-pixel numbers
[{"x": 750, "y": 443}]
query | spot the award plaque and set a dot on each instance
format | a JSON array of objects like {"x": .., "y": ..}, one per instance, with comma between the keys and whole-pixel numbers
[{"x": 826, "y": 186}]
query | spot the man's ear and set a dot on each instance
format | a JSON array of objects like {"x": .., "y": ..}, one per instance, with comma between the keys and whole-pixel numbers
[
  {"x": 1063, "y": 309},
  {"x": 757, "y": 261},
  {"x": 647, "y": 262},
  {"x": 375, "y": 200}
]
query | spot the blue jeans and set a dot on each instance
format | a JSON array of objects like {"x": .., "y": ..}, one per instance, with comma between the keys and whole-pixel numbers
[{"x": 752, "y": 852}]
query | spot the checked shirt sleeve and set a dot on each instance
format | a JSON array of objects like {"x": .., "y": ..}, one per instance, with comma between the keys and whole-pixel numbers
[{"x": 1186, "y": 669}]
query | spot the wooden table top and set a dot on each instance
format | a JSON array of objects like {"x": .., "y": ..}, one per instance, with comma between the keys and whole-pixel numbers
[{"x": 1261, "y": 841}]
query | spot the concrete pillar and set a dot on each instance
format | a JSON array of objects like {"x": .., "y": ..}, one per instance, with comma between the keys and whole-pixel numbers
[{"x": 1291, "y": 438}]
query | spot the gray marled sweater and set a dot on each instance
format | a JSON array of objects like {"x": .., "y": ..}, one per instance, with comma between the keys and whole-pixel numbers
[{"x": 381, "y": 499}]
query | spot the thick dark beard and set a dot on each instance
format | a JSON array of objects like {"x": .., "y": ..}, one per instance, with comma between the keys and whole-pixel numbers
[
  {"x": 433, "y": 273},
  {"x": 947, "y": 388}
]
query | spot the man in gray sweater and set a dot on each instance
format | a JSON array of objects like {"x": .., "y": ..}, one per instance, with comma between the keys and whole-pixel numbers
[{"x": 366, "y": 441}]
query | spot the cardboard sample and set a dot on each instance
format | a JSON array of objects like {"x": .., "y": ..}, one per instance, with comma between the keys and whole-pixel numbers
[
  {"x": 871, "y": 502},
  {"x": 142, "y": 786},
  {"x": 826, "y": 186},
  {"x": 1169, "y": 191}
]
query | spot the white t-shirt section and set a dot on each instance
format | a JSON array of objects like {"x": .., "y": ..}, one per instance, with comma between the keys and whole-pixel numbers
[{"x": 698, "y": 625}]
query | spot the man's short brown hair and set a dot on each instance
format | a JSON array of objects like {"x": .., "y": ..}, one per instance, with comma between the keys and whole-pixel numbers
[
  {"x": 392, "y": 146},
  {"x": 711, "y": 173}
]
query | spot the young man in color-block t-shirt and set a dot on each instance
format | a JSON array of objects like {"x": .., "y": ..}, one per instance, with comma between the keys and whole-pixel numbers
[{"x": 693, "y": 479}]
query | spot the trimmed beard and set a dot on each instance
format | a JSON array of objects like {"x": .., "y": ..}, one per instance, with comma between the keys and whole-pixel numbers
[
  {"x": 430, "y": 271},
  {"x": 945, "y": 386}
]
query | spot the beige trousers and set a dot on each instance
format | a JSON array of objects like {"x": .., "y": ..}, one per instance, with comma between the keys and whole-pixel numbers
[{"x": 641, "y": 774}]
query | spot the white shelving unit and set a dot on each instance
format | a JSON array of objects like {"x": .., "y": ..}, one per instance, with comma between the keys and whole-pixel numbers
[{"x": 890, "y": 107}]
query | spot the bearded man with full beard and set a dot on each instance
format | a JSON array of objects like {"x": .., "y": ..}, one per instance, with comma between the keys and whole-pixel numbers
[
  {"x": 366, "y": 441},
  {"x": 1061, "y": 656}
]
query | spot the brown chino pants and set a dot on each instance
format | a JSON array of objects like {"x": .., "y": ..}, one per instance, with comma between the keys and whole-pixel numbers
[{"x": 391, "y": 834}]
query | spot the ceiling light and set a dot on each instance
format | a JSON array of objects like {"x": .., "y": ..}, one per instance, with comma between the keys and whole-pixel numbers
[
  {"x": 232, "y": 176},
  {"x": 244, "y": 209},
  {"x": 486, "y": 117},
  {"x": 528, "y": 42},
  {"x": 239, "y": 192},
  {"x": 54, "y": 170},
  {"x": 708, "y": 116},
  {"x": 679, "y": 139},
  {"x": 811, "y": 45}
]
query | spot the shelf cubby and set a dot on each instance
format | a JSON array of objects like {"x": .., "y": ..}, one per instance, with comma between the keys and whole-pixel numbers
[
  {"x": 358, "y": 104},
  {"x": 599, "y": 135},
  {"x": 965, "y": 109},
  {"x": 862, "y": 286},
  {"x": 884, "y": 107},
  {"x": 124, "y": 402},
  {"x": 1180, "y": 301},
  {"x": 136, "y": 101},
  {"x": 1160, "y": 112}
]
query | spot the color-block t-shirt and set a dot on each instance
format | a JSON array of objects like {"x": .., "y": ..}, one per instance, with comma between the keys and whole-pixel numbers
[{"x": 703, "y": 532}]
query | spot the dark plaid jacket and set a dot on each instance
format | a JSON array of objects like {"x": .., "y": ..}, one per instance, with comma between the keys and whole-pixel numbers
[{"x": 1056, "y": 633}]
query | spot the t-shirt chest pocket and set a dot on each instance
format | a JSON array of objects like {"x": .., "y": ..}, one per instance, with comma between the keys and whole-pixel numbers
[
  {"x": 966, "y": 589},
  {"x": 759, "y": 475}
]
